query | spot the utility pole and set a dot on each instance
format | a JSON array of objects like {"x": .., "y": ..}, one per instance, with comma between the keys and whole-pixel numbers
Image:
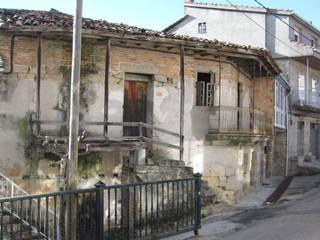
[{"x": 72, "y": 162}]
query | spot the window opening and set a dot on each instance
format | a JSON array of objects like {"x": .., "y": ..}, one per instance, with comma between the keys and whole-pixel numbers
[
  {"x": 301, "y": 86},
  {"x": 202, "y": 27},
  {"x": 280, "y": 106},
  {"x": 204, "y": 90}
]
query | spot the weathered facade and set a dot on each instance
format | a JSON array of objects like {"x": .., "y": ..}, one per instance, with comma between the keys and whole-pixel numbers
[
  {"x": 147, "y": 98},
  {"x": 294, "y": 44}
]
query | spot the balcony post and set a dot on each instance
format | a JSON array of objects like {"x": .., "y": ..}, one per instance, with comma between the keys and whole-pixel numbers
[
  {"x": 219, "y": 107},
  {"x": 181, "y": 101},
  {"x": 307, "y": 96},
  {"x": 106, "y": 87}
]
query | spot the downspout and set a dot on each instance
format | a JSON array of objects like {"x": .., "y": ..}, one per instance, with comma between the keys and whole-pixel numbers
[
  {"x": 12, "y": 50},
  {"x": 288, "y": 131},
  {"x": 307, "y": 83},
  {"x": 11, "y": 54},
  {"x": 219, "y": 123}
]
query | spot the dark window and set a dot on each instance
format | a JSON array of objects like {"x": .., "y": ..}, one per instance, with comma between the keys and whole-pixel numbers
[
  {"x": 202, "y": 27},
  {"x": 204, "y": 90}
]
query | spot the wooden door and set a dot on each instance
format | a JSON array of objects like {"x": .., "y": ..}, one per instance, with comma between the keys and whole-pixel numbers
[{"x": 135, "y": 105}]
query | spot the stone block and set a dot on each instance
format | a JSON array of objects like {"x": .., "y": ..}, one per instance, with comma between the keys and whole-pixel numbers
[
  {"x": 212, "y": 181},
  {"x": 230, "y": 171},
  {"x": 229, "y": 196},
  {"x": 160, "y": 78},
  {"x": 218, "y": 170},
  {"x": 222, "y": 181},
  {"x": 233, "y": 183}
]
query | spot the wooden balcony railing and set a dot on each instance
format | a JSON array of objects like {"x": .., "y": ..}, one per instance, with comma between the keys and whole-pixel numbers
[{"x": 240, "y": 120}]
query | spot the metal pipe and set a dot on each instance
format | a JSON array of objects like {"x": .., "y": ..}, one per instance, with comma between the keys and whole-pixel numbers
[
  {"x": 106, "y": 86},
  {"x": 11, "y": 54},
  {"x": 288, "y": 131},
  {"x": 307, "y": 82},
  {"x": 72, "y": 164},
  {"x": 181, "y": 100}
]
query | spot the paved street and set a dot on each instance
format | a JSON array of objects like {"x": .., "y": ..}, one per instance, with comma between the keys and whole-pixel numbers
[
  {"x": 295, "y": 217},
  {"x": 297, "y": 220}
]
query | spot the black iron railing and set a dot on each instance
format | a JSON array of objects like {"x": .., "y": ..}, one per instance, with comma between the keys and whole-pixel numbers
[{"x": 129, "y": 211}]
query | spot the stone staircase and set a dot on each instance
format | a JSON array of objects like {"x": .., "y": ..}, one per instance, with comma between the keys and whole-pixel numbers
[{"x": 162, "y": 169}]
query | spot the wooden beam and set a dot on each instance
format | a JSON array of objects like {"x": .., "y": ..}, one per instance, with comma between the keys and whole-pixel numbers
[
  {"x": 106, "y": 86},
  {"x": 38, "y": 82},
  {"x": 181, "y": 101},
  {"x": 162, "y": 143}
]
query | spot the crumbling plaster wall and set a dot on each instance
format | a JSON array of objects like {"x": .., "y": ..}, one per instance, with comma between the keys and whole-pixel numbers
[
  {"x": 16, "y": 100},
  {"x": 226, "y": 166},
  {"x": 164, "y": 68}
]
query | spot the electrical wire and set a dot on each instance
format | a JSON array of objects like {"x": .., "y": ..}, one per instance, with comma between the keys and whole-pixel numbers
[
  {"x": 268, "y": 10},
  {"x": 263, "y": 28}
]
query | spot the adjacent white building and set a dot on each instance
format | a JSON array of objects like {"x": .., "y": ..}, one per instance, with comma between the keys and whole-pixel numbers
[{"x": 294, "y": 43}]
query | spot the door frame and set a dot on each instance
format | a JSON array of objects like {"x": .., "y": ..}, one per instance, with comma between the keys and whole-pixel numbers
[{"x": 139, "y": 77}]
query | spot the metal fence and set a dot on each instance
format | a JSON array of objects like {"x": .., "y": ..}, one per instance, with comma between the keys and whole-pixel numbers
[
  {"x": 130, "y": 211},
  {"x": 305, "y": 98}
]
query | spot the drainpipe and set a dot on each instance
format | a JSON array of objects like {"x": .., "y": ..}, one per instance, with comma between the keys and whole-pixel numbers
[
  {"x": 288, "y": 132},
  {"x": 307, "y": 83}
]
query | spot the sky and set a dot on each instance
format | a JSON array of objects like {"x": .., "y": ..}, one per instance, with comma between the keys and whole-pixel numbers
[{"x": 155, "y": 14}]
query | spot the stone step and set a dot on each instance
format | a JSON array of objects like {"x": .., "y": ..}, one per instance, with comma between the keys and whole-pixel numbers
[
  {"x": 164, "y": 162},
  {"x": 25, "y": 235}
]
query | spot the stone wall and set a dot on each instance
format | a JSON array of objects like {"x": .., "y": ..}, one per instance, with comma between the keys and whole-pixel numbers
[{"x": 280, "y": 152}]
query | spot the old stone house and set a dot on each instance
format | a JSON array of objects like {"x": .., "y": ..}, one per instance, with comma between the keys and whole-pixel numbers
[
  {"x": 148, "y": 100},
  {"x": 294, "y": 44}
]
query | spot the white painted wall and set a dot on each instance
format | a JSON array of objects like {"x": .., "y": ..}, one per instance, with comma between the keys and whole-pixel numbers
[{"x": 229, "y": 26}]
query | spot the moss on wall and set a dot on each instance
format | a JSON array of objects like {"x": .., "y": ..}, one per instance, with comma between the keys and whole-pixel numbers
[
  {"x": 89, "y": 165},
  {"x": 24, "y": 126}
]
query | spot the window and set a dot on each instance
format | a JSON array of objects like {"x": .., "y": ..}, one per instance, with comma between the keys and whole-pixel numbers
[
  {"x": 314, "y": 92},
  {"x": 314, "y": 42},
  {"x": 1, "y": 64},
  {"x": 301, "y": 86},
  {"x": 202, "y": 27},
  {"x": 315, "y": 85},
  {"x": 204, "y": 89},
  {"x": 297, "y": 34},
  {"x": 280, "y": 106}
]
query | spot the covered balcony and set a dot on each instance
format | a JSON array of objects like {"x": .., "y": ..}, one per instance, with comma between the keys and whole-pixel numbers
[
  {"x": 240, "y": 120},
  {"x": 305, "y": 98}
]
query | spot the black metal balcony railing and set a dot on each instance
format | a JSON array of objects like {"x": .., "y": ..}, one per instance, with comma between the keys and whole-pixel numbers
[
  {"x": 305, "y": 98},
  {"x": 147, "y": 210},
  {"x": 240, "y": 120}
]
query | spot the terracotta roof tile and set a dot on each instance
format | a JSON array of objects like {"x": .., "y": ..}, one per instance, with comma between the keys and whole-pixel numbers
[{"x": 55, "y": 19}]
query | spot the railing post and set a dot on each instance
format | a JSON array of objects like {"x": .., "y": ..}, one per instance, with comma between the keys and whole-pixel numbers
[
  {"x": 197, "y": 224},
  {"x": 100, "y": 212}
]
